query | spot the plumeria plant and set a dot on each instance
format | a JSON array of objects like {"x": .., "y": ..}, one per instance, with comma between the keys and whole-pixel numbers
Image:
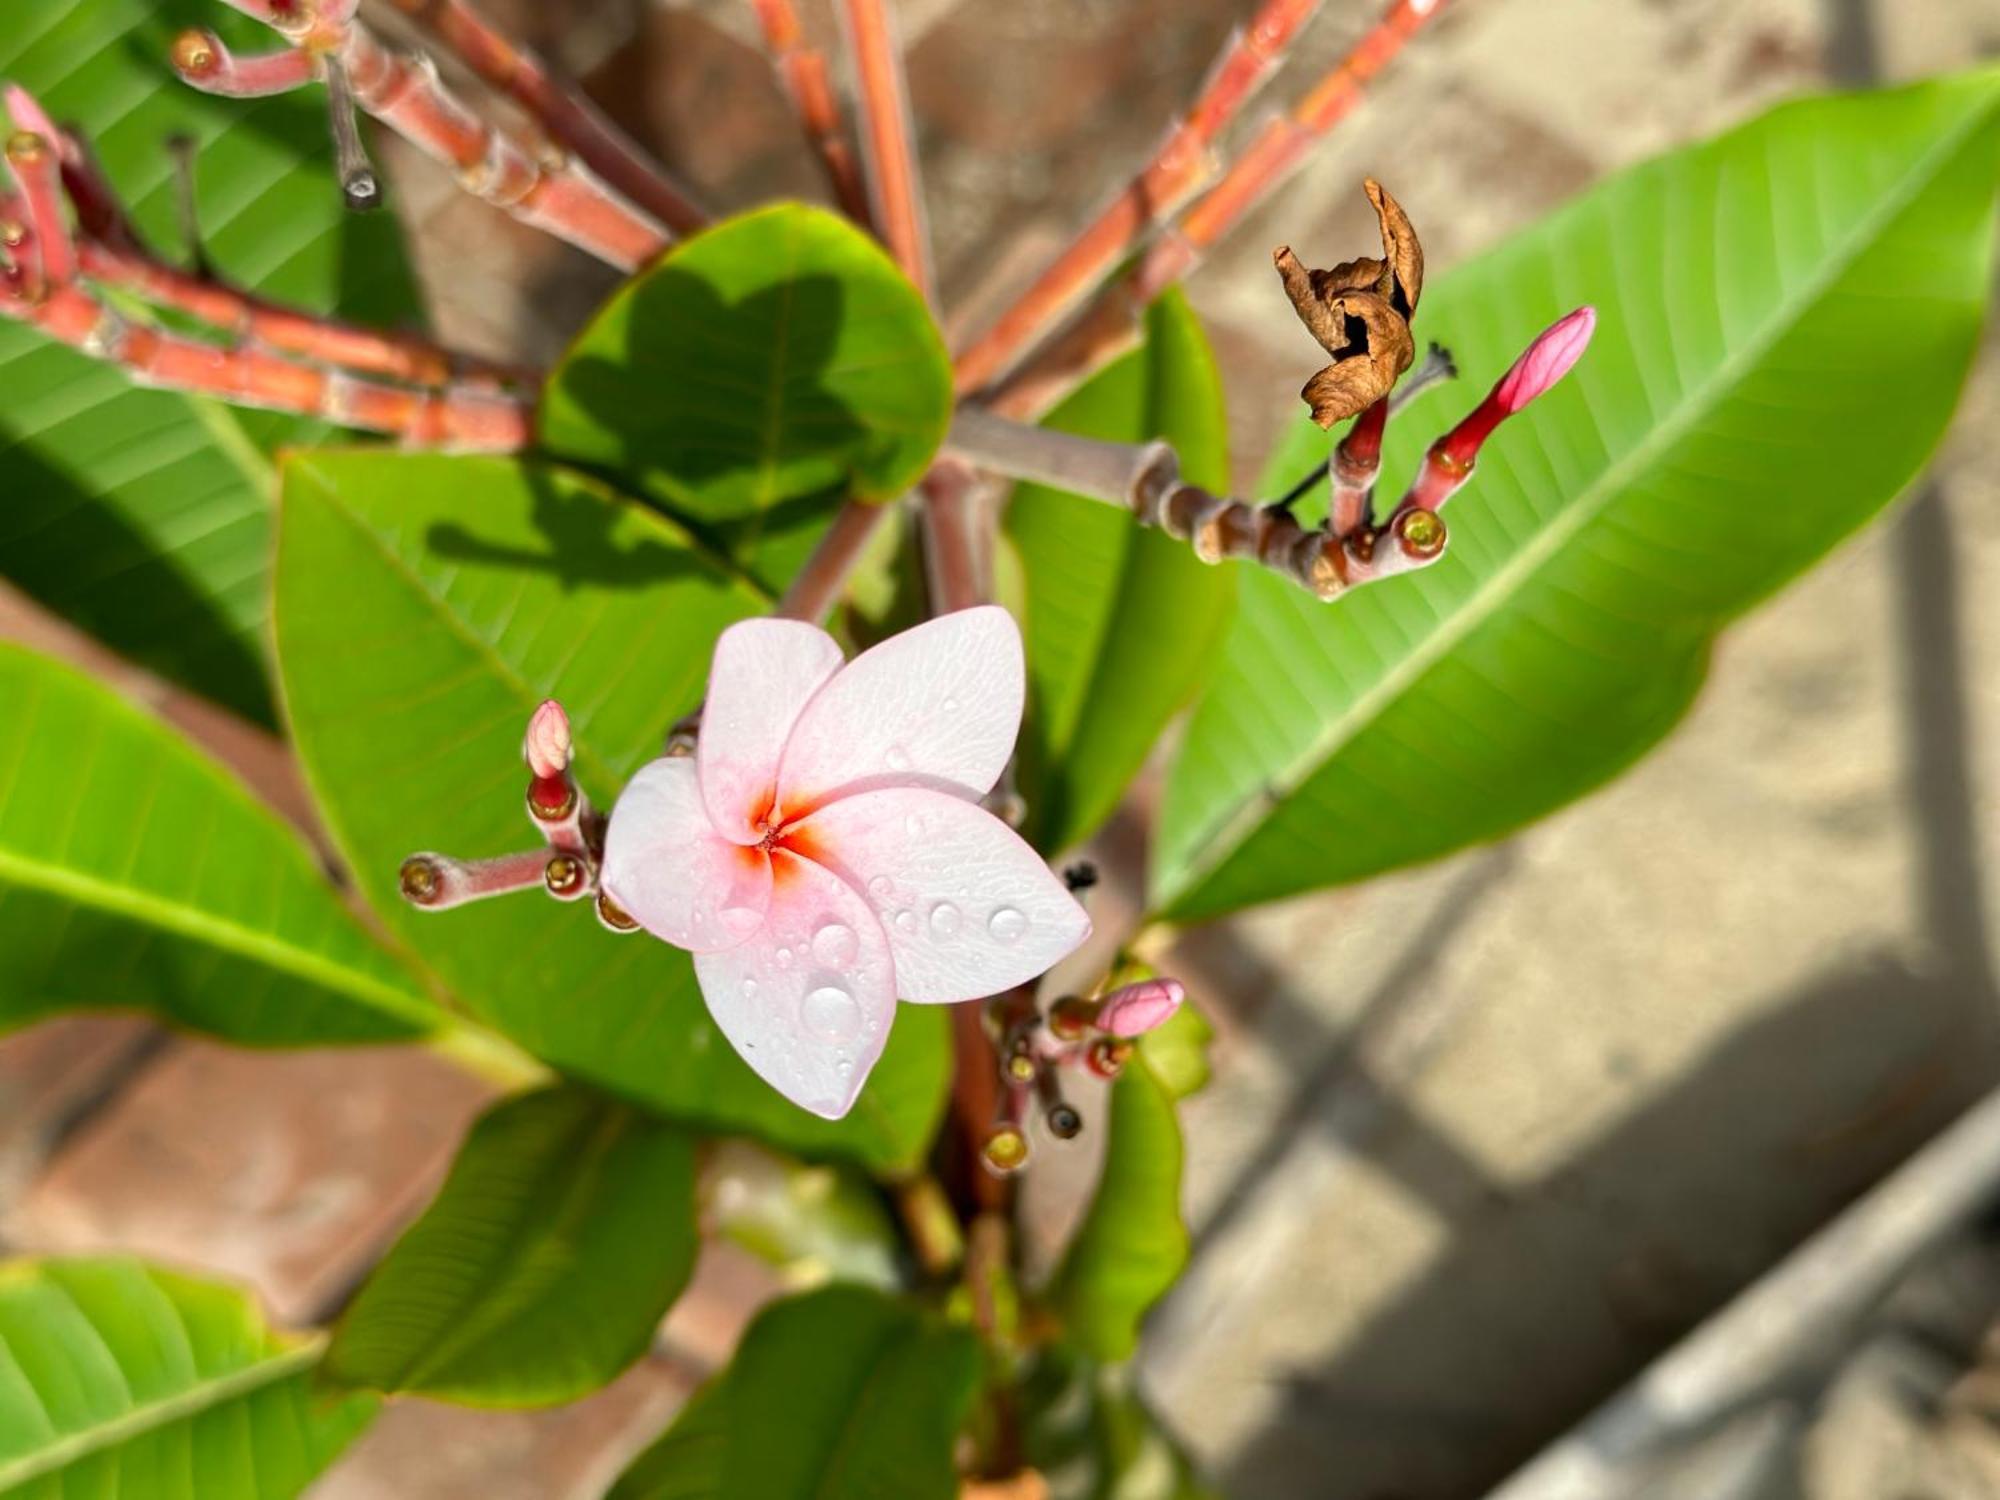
[{"x": 830, "y": 649}]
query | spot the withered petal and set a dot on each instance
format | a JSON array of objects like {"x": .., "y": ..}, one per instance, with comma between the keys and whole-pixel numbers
[
  {"x": 1348, "y": 387},
  {"x": 1321, "y": 321},
  {"x": 1362, "y": 275},
  {"x": 1405, "y": 252}
]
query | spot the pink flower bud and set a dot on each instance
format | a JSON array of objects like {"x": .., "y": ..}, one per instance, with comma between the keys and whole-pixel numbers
[
  {"x": 547, "y": 748},
  {"x": 1138, "y": 1008},
  {"x": 27, "y": 113},
  {"x": 1548, "y": 359}
]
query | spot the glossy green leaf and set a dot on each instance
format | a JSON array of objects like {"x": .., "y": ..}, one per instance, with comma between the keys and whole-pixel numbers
[
  {"x": 142, "y": 515},
  {"x": 137, "y": 874},
  {"x": 842, "y": 1394},
  {"x": 1121, "y": 622},
  {"x": 1132, "y": 1245},
  {"x": 562, "y": 1236},
  {"x": 1087, "y": 1430},
  {"x": 775, "y": 356},
  {"x": 1787, "y": 314},
  {"x": 122, "y": 1382},
  {"x": 684, "y": 1462},
  {"x": 425, "y": 606}
]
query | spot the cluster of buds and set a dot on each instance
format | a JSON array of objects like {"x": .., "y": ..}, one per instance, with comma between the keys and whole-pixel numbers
[
  {"x": 568, "y": 865},
  {"x": 1360, "y": 312},
  {"x": 1095, "y": 1034}
]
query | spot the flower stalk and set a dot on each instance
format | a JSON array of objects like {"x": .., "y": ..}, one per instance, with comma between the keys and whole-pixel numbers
[
  {"x": 808, "y": 85},
  {"x": 547, "y": 190},
  {"x": 1108, "y": 327},
  {"x": 563, "y": 112},
  {"x": 1174, "y": 173}
]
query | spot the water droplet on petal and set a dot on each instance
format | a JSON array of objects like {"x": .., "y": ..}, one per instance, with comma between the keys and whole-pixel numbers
[
  {"x": 898, "y": 758},
  {"x": 835, "y": 945},
  {"x": 906, "y": 920},
  {"x": 832, "y": 1013},
  {"x": 784, "y": 957},
  {"x": 749, "y": 988},
  {"x": 1007, "y": 925},
  {"x": 844, "y": 1066},
  {"x": 944, "y": 919},
  {"x": 951, "y": 705}
]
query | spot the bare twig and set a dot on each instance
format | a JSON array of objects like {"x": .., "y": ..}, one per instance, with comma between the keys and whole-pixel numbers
[
  {"x": 548, "y": 191},
  {"x": 455, "y": 417},
  {"x": 1107, "y": 328},
  {"x": 808, "y": 84},
  {"x": 564, "y": 112},
  {"x": 1146, "y": 481},
  {"x": 888, "y": 143},
  {"x": 957, "y": 558},
  {"x": 817, "y": 586},
  {"x": 1175, "y": 172}
]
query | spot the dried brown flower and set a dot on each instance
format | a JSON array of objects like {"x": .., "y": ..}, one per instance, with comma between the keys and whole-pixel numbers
[{"x": 1360, "y": 312}]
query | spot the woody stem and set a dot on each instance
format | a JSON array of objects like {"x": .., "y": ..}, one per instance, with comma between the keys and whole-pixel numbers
[
  {"x": 563, "y": 111},
  {"x": 1106, "y": 329},
  {"x": 808, "y": 85},
  {"x": 1171, "y": 176}
]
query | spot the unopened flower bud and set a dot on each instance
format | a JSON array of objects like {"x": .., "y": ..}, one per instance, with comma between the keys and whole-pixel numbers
[
  {"x": 196, "y": 54},
  {"x": 613, "y": 916},
  {"x": 26, "y": 148},
  {"x": 1019, "y": 1066},
  {"x": 1548, "y": 359},
  {"x": 1449, "y": 463},
  {"x": 1107, "y": 1056},
  {"x": 548, "y": 749},
  {"x": 565, "y": 877},
  {"x": 1064, "y": 1123},
  {"x": 421, "y": 880},
  {"x": 551, "y": 798},
  {"x": 1005, "y": 1151},
  {"x": 1138, "y": 1008},
  {"x": 1071, "y": 1018}
]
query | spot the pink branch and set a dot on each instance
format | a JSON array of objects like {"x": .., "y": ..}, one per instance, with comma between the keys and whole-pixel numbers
[
  {"x": 1162, "y": 187},
  {"x": 888, "y": 144},
  {"x": 565, "y": 113},
  {"x": 804, "y": 76}
]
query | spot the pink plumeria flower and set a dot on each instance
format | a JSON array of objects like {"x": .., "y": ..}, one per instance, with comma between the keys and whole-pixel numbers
[{"x": 824, "y": 852}]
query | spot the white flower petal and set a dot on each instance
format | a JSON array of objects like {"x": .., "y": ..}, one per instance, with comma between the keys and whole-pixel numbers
[
  {"x": 969, "y": 908},
  {"x": 938, "y": 705},
  {"x": 665, "y": 864},
  {"x": 809, "y": 999},
  {"x": 762, "y": 676}
]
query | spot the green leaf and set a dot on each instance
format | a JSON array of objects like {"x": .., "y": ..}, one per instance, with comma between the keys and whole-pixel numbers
[
  {"x": 1787, "y": 314},
  {"x": 562, "y": 1236},
  {"x": 122, "y": 1382},
  {"x": 425, "y": 606},
  {"x": 1121, "y": 623},
  {"x": 684, "y": 1462},
  {"x": 1088, "y": 1431},
  {"x": 777, "y": 355},
  {"x": 842, "y": 1394},
  {"x": 1131, "y": 1246},
  {"x": 142, "y": 515},
  {"x": 135, "y": 873},
  {"x": 1177, "y": 1052}
]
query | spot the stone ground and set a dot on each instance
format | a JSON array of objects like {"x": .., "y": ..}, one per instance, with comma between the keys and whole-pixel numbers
[{"x": 1485, "y": 1136}]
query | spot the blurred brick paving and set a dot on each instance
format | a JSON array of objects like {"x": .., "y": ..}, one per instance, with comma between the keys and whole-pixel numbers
[{"x": 1485, "y": 1135}]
